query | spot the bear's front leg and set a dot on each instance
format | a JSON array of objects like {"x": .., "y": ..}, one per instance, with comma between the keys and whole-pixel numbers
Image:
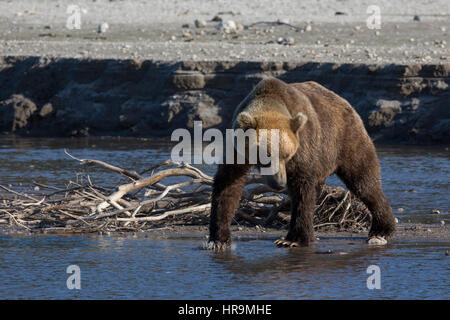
[
  {"x": 302, "y": 193},
  {"x": 227, "y": 190}
]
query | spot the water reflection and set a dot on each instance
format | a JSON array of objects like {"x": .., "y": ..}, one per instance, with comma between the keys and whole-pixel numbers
[{"x": 117, "y": 267}]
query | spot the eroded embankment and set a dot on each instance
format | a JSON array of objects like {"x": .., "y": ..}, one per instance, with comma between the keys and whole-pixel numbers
[{"x": 72, "y": 97}]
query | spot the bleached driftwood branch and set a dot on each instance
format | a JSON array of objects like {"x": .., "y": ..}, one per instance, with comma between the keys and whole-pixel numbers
[{"x": 79, "y": 207}]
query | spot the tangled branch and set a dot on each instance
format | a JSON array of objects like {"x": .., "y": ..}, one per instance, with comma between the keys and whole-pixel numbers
[{"x": 144, "y": 203}]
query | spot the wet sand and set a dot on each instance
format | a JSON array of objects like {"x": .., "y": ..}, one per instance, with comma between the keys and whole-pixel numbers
[{"x": 405, "y": 231}]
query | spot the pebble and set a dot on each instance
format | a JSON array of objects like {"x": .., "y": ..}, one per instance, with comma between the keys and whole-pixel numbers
[
  {"x": 217, "y": 19},
  {"x": 200, "y": 23},
  {"x": 435, "y": 211},
  {"x": 396, "y": 220},
  {"x": 103, "y": 27},
  {"x": 186, "y": 25},
  {"x": 442, "y": 222},
  {"x": 447, "y": 253},
  {"x": 36, "y": 188},
  {"x": 416, "y": 18},
  {"x": 283, "y": 21},
  {"x": 187, "y": 35},
  {"x": 308, "y": 28},
  {"x": 400, "y": 209},
  {"x": 227, "y": 27},
  {"x": 288, "y": 41}
]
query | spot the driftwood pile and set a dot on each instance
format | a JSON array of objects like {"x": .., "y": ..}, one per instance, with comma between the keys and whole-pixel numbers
[{"x": 147, "y": 202}]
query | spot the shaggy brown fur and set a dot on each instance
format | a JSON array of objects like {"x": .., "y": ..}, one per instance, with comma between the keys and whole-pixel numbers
[{"x": 332, "y": 140}]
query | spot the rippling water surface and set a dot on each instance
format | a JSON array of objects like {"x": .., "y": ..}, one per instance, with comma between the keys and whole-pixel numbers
[{"x": 128, "y": 268}]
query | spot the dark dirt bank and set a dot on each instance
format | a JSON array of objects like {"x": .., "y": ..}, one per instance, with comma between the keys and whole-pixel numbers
[{"x": 78, "y": 97}]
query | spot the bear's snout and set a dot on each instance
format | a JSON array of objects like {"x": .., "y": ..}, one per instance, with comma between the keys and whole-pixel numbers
[{"x": 275, "y": 183}]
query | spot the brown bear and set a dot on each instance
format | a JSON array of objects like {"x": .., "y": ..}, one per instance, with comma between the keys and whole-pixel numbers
[{"x": 319, "y": 134}]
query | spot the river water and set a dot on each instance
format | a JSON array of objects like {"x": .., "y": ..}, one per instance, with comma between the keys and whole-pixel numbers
[{"x": 415, "y": 179}]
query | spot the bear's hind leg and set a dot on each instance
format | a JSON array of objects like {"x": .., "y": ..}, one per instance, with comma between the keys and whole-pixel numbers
[
  {"x": 303, "y": 199},
  {"x": 365, "y": 182}
]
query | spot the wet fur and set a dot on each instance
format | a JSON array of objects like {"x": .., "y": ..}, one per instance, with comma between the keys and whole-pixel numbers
[{"x": 333, "y": 140}]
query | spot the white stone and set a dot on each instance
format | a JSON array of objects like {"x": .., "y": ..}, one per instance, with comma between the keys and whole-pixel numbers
[
  {"x": 377, "y": 241},
  {"x": 227, "y": 26},
  {"x": 103, "y": 27},
  {"x": 200, "y": 23}
]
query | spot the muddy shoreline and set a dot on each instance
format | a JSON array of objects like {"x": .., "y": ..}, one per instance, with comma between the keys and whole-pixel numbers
[{"x": 405, "y": 231}]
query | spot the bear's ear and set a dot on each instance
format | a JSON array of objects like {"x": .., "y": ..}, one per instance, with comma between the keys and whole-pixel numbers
[
  {"x": 298, "y": 122},
  {"x": 246, "y": 121}
]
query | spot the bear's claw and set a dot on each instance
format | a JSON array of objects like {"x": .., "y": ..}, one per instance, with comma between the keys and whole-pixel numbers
[
  {"x": 286, "y": 243},
  {"x": 216, "y": 246}
]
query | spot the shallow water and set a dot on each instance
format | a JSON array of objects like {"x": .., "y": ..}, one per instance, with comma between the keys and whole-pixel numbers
[
  {"x": 34, "y": 266},
  {"x": 127, "y": 268},
  {"x": 425, "y": 170}
]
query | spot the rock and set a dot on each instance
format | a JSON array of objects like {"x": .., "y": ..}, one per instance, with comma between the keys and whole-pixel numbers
[
  {"x": 289, "y": 41},
  {"x": 400, "y": 209},
  {"x": 447, "y": 253},
  {"x": 103, "y": 27},
  {"x": 396, "y": 220},
  {"x": 442, "y": 222},
  {"x": 16, "y": 112},
  {"x": 286, "y": 41},
  {"x": 435, "y": 211},
  {"x": 227, "y": 27},
  {"x": 46, "y": 110},
  {"x": 384, "y": 116},
  {"x": 308, "y": 28},
  {"x": 200, "y": 23},
  {"x": 189, "y": 80},
  {"x": 377, "y": 241},
  {"x": 416, "y": 18},
  {"x": 206, "y": 112},
  {"x": 185, "y": 25},
  {"x": 217, "y": 19},
  {"x": 283, "y": 21}
]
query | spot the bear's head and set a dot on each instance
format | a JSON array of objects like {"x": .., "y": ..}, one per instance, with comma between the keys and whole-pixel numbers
[{"x": 281, "y": 150}]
